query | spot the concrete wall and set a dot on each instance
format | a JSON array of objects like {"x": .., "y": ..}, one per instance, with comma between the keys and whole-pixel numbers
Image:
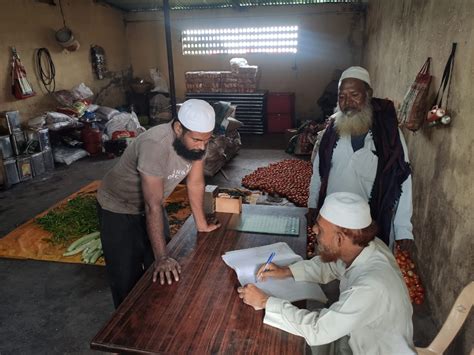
[
  {"x": 329, "y": 37},
  {"x": 28, "y": 25},
  {"x": 401, "y": 35}
]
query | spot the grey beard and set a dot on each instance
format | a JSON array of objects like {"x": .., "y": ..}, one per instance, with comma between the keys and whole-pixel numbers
[{"x": 353, "y": 123}]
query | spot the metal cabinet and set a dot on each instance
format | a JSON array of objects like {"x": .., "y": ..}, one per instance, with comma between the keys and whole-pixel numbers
[{"x": 251, "y": 108}]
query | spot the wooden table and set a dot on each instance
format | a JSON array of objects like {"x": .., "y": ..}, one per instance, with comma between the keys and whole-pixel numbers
[{"x": 202, "y": 313}]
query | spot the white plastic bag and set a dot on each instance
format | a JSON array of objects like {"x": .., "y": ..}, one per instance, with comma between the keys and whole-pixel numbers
[
  {"x": 67, "y": 155},
  {"x": 81, "y": 92},
  {"x": 57, "y": 120},
  {"x": 236, "y": 63},
  {"x": 106, "y": 113},
  {"x": 124, "y": 121}
]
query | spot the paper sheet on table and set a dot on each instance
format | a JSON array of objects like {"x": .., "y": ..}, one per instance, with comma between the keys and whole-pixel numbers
[{"x": 246, "y": 262}]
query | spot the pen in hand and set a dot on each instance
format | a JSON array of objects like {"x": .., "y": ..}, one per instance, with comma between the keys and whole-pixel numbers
[{"x": 270, "y": 258}]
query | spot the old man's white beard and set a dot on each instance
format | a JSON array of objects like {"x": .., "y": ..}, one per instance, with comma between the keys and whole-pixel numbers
[{"x": 353, "y": 123}]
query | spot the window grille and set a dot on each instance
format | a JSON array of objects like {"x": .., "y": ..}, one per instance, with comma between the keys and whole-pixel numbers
[{"x": 240, "y": 40}]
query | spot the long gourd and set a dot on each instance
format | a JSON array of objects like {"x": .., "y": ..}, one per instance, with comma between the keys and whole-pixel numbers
[{"x": 83, "y": 240}]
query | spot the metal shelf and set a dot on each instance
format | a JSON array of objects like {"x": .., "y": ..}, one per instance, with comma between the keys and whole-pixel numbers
[{"x": 251, "y": 108}]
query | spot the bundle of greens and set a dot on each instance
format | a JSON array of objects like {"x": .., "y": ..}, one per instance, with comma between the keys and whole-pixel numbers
[{"x": 77, "y": 218}]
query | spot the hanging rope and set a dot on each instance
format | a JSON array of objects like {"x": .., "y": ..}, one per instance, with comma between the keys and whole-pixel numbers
[
  {"x": 62, "y": 13},
  {"x": 45, "y": 69}
]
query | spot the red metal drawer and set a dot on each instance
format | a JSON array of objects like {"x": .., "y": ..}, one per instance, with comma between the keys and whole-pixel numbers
[
  {"x": 278, "y": 123},
  {"x": 280, "y": 102}
]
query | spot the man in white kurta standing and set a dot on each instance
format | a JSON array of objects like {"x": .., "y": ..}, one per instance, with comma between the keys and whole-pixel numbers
[
  {"x": 133, "y": 224},
  {"x": 373, "y": 314},
  {"x": 363, "y": 151}
]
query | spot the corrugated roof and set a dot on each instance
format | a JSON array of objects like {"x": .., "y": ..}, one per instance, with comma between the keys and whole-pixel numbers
[{"x": 157, "y": 5}]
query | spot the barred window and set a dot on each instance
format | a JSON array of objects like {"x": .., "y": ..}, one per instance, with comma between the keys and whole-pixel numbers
[{"x": 240, "y": 40}]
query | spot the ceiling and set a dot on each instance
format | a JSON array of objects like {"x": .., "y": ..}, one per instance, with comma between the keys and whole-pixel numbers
[{"x": 157, "y": 5}]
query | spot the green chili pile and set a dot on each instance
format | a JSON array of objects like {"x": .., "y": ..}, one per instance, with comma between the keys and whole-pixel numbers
[{"x": 77, "y": 218}]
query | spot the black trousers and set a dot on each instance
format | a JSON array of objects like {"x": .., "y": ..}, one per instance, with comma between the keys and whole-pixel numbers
[{"x": 127, "y": 249}]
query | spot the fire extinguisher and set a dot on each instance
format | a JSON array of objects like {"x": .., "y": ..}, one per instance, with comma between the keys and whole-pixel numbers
[{"x": 98, "y": 61}]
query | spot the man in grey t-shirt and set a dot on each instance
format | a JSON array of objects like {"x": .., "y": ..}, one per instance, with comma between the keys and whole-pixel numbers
[{"x": 133, "y": 223}]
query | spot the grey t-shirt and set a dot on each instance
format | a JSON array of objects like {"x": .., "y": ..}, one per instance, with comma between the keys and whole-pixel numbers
[{"x": 151, "y": 153}]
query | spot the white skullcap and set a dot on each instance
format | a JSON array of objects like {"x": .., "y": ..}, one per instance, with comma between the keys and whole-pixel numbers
[
  {"x": 346, "y": 210},
  {"x": 356, "y": 73},
  {"x": 197, "y": 116}
]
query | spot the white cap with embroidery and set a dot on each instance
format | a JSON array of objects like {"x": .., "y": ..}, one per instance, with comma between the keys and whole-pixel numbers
[
  {"x": 197, "y": 116},
  {"x": 346, "y": 210},
  {"x": 356, "y": 73}
]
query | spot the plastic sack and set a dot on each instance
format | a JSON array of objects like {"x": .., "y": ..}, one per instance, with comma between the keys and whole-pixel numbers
[
  {"x": 106, "y": 113},
  {"x": 231, "y": 124},
  {"x": 92, "y": 108},
  {"x": 159, "y": 104},
  {"x": 124, "y": 121},
  {"x": 81, "y": 92},
  {"x": 220, "y": 150},
  {"x": 68, "y": 155},
  {"x": 77, "y": 93},
  {"x": 38, "y": 121},
  {"x": 160, "y": 83},
  {"x": 57, "y": 120},
  {"x": 64, "y": 97},
  {"x": 77, "y": 109},
  {"x": 236, "y": 63}
]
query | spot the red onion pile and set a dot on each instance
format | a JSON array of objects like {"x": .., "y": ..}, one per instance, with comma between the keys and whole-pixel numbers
[
  {"x": 288, "y": 178},
  {"x": 412, "y": 280}
]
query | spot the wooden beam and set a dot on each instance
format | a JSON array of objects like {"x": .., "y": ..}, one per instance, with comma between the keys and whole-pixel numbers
[{"x": 169, "y": 52}]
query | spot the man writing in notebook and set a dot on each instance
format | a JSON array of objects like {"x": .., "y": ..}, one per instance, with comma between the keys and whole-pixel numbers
[{"x": 373, "y": 313}]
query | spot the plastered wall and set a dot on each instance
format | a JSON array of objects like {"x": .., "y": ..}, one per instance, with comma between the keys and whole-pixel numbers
[
  {"x": 329, "y": 37},
  {"x": 400, "y": 36},
  {"x": 28, "y": 25}
]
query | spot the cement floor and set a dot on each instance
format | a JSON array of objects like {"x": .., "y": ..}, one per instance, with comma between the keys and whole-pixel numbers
[{"x": 56, "y": 308}]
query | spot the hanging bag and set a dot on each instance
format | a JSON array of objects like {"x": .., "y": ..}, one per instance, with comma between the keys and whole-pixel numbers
[
  {"x": 413, "y": 108},
  {"x": 438, "y": 114},
  {"x": 21, "y": 87}
]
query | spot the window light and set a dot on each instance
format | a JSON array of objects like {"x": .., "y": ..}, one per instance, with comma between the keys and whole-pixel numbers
[{"x": 242, "y": 40}]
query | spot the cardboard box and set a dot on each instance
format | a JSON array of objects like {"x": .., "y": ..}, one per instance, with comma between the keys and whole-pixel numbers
[{"x": 228, "y": 204}]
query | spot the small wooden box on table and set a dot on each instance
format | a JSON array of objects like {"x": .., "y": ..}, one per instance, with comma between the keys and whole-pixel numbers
[{"x": 202, "y": 313}]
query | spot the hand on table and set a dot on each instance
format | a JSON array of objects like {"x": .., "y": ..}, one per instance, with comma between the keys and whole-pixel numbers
[
  {"x": 274, "y": 271},
  {"x": 167, "y": 268},
  {"x": 253, "y": 296}
]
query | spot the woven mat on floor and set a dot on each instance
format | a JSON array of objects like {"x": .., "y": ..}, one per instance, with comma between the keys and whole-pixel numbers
[{"x": 30, "y": 241}]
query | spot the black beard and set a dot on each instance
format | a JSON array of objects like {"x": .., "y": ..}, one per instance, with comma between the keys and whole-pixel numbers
[{"x": 188, "y": 154}]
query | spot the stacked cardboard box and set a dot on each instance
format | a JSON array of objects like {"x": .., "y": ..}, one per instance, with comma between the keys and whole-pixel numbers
[
  {"x": 247, "y": 79},
  {"x": 203, "y": 81},
  {"x": 242, "y": 81},
  {"x": 229, "y": 82}
]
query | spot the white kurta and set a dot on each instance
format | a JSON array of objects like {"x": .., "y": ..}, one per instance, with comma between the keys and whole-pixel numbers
[
  {"x": 355, "y": 172},
  {"x": 374, "y": 308}
]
